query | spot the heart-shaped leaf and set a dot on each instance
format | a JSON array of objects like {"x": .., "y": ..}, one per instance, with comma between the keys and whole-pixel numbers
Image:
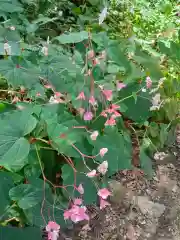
[{"x": 14, "y": 148}]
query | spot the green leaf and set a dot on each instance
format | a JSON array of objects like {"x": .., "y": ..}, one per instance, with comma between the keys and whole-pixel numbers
[
  {"x": 33, "y": 168},
  {"x": 146, "y": 162},
  {"x": 36, "y": 214},
  {"x": 63, "y": 138},
  {"x": 148, "y": 62},
  {"x": 136, "y": 110},
  {"x": 90, "y": 191},
  {"x": 163, "y": 133},
  {"x": 27, "y": 233},
  {"x": 113, "y": 68},
  {"x": 72, "y": 37},
  {"x": 6, "y": 183},
  {"x": 153, "y": 129},
  {"x": 14, "y": 148},
  {"x": 28, "y": 195},
  {"x": 119, "y": 150},
  {"x": 10, "y": 6},
  {"x": 18, "y": 75},
  {"x": 134, "y": 96},
  {"x": 6, "y": 107},
  {"x": 118, "y": 57}
]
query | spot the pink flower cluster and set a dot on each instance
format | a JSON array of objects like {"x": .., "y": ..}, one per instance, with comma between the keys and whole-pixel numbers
[
  {"x": 112, "y": 113},
  {"x": 88, "y": 115},
  {"x": 53, "y": 230},
  {"x": 104, "y": 193},
  {"x": 77, "y": 212}
]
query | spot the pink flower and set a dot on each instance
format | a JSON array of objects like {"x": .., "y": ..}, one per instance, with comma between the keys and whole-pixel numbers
[
  {"x": 109, "y": 110},
  {"x": 90, "y": 54},
  {"x": 104, "y": 193},
  {"x": 52, "y": 226},
  {"x": 88, "y": 116},
  {"x": 77, "y": 201},
  {"x": 79, "y": 214},
  {"x": 94, "y": 135},
  {"x": 103, "y": 167},
  {"x": 103, "y": 151},
  {"x": 91, "y": 174},
  {"x": 148, "y": 82},
  {"x": 116, "y": 114},
  {"x": 92, "y": 101},
  {"x": 107, "y": 94},
  {"x": 114, "y": 106},
  {"x": 53, "y": 230},
  {"x": 120, "y": 85},
  {"x": 67, "y": 214},
  {"x": 103, "y": 203},
  {"x": 110, "y": 122},
  {"x": 58, "y": 94},
  {"x": 53, "y": 235},
  {"x": 81, "y": 96},
  {"x": 80, "y": 189},
  {"x": 104, "y": 114},
  {"x": 76, "y": 214}
]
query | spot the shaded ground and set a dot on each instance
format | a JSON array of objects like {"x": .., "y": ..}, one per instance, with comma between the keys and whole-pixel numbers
[{"x": 140, "y": 209}]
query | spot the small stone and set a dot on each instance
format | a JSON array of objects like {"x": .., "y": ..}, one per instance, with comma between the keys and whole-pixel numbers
[
  {"x": 118, "y": 191},
  {"x": 148, "y": 207}
]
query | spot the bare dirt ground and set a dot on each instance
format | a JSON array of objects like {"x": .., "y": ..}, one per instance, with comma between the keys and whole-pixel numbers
[{"x": 141, "y": 209}]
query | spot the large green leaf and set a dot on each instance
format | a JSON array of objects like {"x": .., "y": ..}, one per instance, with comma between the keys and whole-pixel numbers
[
  {"x": 36, "y": 214},
  {"x": 117, "y": 56},
  {"x": 28, "y": 195},
  {"x": 14, "y": 148},
  {"x": 17, "y": 75},
  {"x": 148, "y": 62},
  {"x": 137, "y": 105},
  {"x": 173, "y": 51},
  {"x": 27, "y": 233},
  {"x": 62, "y": 73},
  {"x": 62, "y": 137},
  {"x": 72, "y": 37},
  {"x": 10, "y": 6},
  {"x": 6, "y": 183},
  {"x": 119, "y": 150}
]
